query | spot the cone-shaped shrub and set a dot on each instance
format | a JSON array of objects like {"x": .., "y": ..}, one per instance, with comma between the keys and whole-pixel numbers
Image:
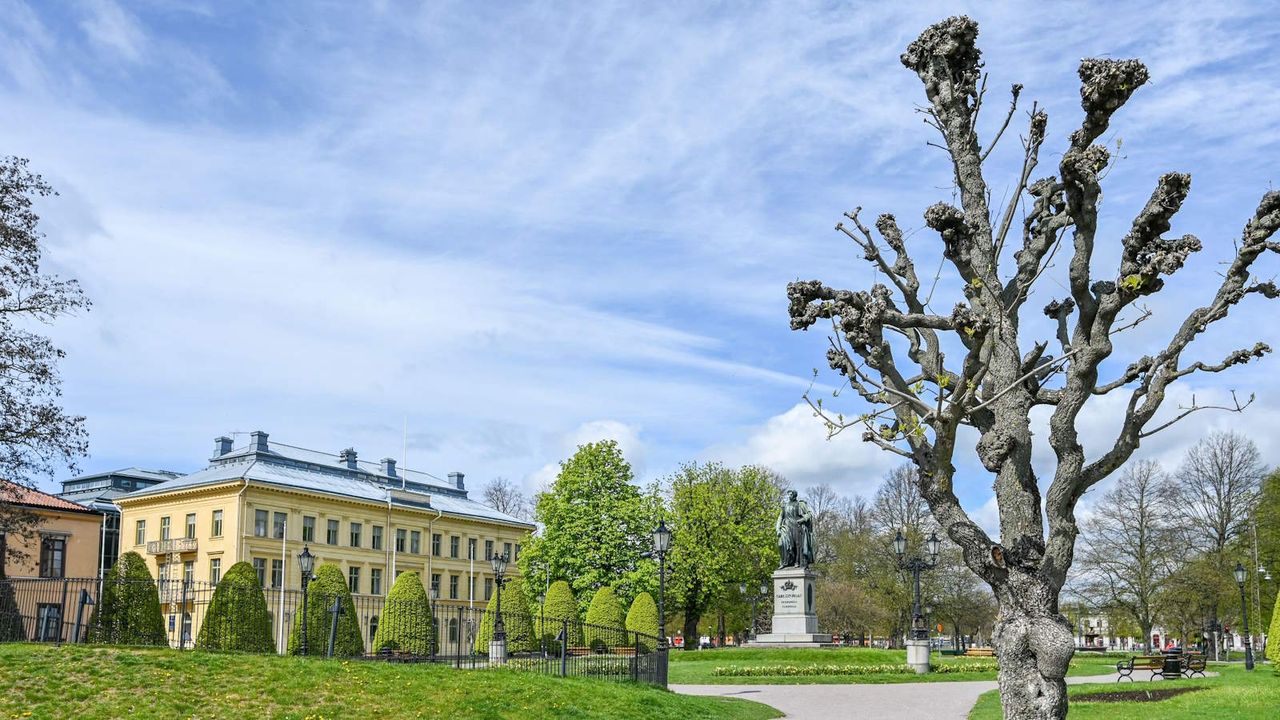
[
  {"x": 11, "y": 629},
  {"x": 128, "y": 613},
  {"x": 237, "y": 617},
  {"x": 560, "y": 605},
  {"x": 605, "y": 620},
  {"x": 642, "y": 619},
  {"x": 406, "y": 622},
  {"x": 516, "y": 618},
  {"x": 328, "y": 586},
  {"x": 1273, "y": 638}
]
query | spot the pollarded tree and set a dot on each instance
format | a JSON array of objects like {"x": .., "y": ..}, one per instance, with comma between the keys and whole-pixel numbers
[
  {"x": 900, "y": 356},
  {"x": 604, "y": 618},
  {"x": 237, "y": 617},
  {"x": 642, "y": 618},
  {"x": 406, "y": 623},
  {"x": 329, "y": 585},
  {"x": 128, "y": 613}
]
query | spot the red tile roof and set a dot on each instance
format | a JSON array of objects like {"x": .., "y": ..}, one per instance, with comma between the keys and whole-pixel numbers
[{"x": 19, "y": 495}]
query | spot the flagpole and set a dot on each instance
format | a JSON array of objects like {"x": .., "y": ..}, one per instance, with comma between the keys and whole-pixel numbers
[{"x": 284, "y": 573}]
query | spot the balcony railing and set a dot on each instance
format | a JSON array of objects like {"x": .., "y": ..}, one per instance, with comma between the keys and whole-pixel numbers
[{"x": 175, "y": 545}]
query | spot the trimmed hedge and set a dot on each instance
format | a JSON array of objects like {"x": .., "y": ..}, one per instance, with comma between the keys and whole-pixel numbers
[
  {"x": 1273, "y": 638},
  {"x": 128, "y": 613},
  {"x": 238, "y": 617},
  {"x": 560, "y": 605},
  {"x": 516, "y": 619},
  {"x": 406, "y": 622},
  {"x": 329, "y": 584},
  {"x": 642, "y": 618},
  {"x": 605, "y": 611}
]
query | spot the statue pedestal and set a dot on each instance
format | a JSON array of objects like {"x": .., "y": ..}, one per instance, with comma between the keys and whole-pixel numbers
[{"x": 795, "y": 620}]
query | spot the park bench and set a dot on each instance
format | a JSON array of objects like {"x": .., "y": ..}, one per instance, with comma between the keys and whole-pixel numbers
[
  {"x": 980, "y": 652},
  {"x": 577, "y": 651},
  {"x": 1152, "y": 663},
  {"x": 628, "y": 650},
  {"x": 1194, "y": 664}
]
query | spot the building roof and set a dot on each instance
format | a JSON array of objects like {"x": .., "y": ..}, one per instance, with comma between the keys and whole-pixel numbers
[
  {"x": 27, "y": 497},
  {"x": 284, "y": 466}
]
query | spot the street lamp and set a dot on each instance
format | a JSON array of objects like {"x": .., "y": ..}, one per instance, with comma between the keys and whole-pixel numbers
[
  {"x": 1241, "y": 574},
  {"x": 753, "y": 599},
  {"x": 498, "y": 647},
  {"x": 916, "y": 565},
  {"x": 306, "y": 561},
  {"x": 661, "y": 544}
]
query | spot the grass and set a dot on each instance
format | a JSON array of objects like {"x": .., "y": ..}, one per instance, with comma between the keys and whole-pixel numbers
[
  {"x": 43, "y": 681},
  {"x": 1234, "y": 695},
  {"x": 697, "y": 667}
]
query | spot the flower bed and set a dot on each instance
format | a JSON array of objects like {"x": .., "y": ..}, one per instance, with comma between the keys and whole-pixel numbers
[{"x": 847, "y": 669}]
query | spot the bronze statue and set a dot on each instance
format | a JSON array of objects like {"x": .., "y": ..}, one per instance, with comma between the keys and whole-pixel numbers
[{"x": 795, "y": 533}]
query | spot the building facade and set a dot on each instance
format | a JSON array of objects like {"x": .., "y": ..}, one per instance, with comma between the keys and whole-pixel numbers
[
  {"x": 98, "y": 492},
  {"x": 64, "y": 543}
]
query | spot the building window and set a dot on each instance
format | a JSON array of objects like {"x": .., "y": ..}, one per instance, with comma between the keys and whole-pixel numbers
[
  {"x": 355, "y": 534},
  {"x": 376, "y": 541},
  {"x": 471, "y": 548},
  {"x": 331, "y": 532},
  {"x": 435, "y": 586},
  {"x": 215, "y": 570},
  {"x": 453, "y": 630},
  {"x": 375, "y": 581},
  {"x": 373, "y": 627},
  {"x": 353, "y": 579},
  {"x": 53, "y": 554},
  {"x": 435, "y": 544},
  {"x": 277, "y": 525},
  {"x": 488, "y": 588},
  {"x": 415, "y": 542},
  {"x": 162, "y": 574},
  {"x": 453, "y": 587},
  {"x": 140, "y": 532},
  {"x": 260, "y": 523},
  {"x": 277, "y": 573},
  {"x": 308, "y": 528},
  {"x": 517, "y": 555},
  {"x": 164, "y": 528},
  {"x": 453, "y": 546},
  {"x": 506, "y": 551},
  {"x": 186, "y": 629},
  {"x": 488, "y": 550},
  {"x": 191, "y": 526},
  {"x": 260, "y": 567},
  {"x": 400, "y": 536},
  {"x": 189, "y": 572},
  {"x": 48, "y": 622},
  {"x": 217, "y": 523}
]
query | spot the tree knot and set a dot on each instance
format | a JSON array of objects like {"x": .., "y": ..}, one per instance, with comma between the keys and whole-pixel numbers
[{"x": 947, "y": 51}]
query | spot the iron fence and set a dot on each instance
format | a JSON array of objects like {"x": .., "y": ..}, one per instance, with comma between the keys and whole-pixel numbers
[{"x": 80, "y": 610}]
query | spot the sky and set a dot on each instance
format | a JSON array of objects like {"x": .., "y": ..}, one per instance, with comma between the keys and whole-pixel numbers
[{"x": 473, "y": 236}]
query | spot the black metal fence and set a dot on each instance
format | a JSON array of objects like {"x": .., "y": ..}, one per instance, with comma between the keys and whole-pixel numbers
[{"x": 80, "y": 610}]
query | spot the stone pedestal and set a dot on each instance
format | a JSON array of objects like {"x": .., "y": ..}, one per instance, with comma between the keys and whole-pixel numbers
[
  {"x": 795, "y": 619},
  {"x": 497, "y": 652},
  {"x": 918, "y": 655}
]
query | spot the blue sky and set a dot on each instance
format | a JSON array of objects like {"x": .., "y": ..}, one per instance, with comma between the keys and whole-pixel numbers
[{"x": 518, "y": 228}]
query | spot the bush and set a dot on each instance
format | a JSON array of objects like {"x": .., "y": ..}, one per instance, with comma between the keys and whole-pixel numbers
[
  {"x": 329, "y": 584},
  {"x": 642, "y": 619},
  {"x": 605, "y": 620},
  {"x": 11, "y": 629},
  {"x": 128, "y": 613},
  {"x": 1273, "y": 638},
  {"x": 237, "y": 617},
  {"x": 560, "y": 605},
  {"x": 516, "y": 619},
  {"x": 406, "y": 622}
]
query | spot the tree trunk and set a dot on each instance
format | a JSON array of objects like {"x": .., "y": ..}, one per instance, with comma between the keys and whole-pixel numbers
[
  {"x": 691, "y": 637},
  {"x": 1033, "y": 645}
]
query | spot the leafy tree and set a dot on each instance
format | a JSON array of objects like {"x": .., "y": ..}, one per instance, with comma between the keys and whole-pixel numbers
[
  {"x": 723, "y": 522},
  {"x": 604, "y": 618},
  {"x": 643, "y": 618},
  {"x": 597, "y": 525},
  {"x": 37, "y": 438},
  {"x": 517, "y": 620},
  {"x": 128, "y": 613},
  {"x": 406, "y": 622},
  {"x": 922, "y": 375},
  {"x": 237, "y": 618},
  {"x": 558, "y": 606},
  {"x": 329, "y": 585}
]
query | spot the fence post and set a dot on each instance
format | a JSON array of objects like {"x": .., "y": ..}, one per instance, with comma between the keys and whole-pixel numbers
[
  {"x": 84, "y": 600},
  {"x": 564, "y": 647},
  {"x": 335, "y": 611}
]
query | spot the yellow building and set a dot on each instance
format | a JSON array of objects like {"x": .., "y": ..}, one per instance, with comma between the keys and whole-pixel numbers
[
  {"x": 63, "y": 543},
  {"x": 263, "y": 502}
]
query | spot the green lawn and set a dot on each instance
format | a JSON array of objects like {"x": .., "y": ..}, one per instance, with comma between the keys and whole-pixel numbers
[
  {"x": 42, "y": 681},
  {"x": 1233, "y": 695},
  {"x": 697, "y": 667}
]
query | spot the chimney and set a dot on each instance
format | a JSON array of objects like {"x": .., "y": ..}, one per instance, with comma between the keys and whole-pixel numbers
[
  {"x": 389, "y": 467},
  {"x": 258, "y": 441},
  {"x": 221, "y": 446},
  {"x": 456, "y": 479},
  {"x": 348, "y": 456}
]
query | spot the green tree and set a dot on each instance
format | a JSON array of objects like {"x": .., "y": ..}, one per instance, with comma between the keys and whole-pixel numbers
[
  {"x": 328, "y": 585},
  {"x": 642, "y": 618},
  {"x": 237, "y": 617},
  {"x": 605, "y": 618},
  {"x": 128, "y": 613},
  {"x": 560, "y": 605},
  {"x": 517, "y": 620},
  {"x": 597, "y": 525},
  {"x": 406, "y": 622},
  {"x": 723, "y": 527}
]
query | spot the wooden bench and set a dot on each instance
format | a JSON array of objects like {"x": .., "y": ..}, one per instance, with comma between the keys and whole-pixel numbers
[
  {"x": 980, "y": 652},
  {"x": 1194, "y": 664},
  {"x": 1152, "y": 663},
  {"x": 577, "y": 651},
  {"x": 628, "y": 650}
]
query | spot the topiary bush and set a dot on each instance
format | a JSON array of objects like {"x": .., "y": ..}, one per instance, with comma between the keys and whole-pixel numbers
[
  {"x": 642, "y": 619},
  {"x": 238, "y": 617},
  {"x": 1273, "y": 638},
  {"x": 406, "y": 622},
  {"x": 558, "y": 606},
  {"x": 329, "y": 584},
  {"x": 128, "y": 613},
  {"x": 516, "y": 618},
  {"x": 605, "y": 620}
]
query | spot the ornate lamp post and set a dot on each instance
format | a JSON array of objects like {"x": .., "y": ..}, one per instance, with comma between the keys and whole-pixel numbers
[
  {"x": 753, "y": 599},
  {"x": 1241, "y": 574},
  {"x": 918, "y": 645},
  {"x": 498, "y": 646},
  {"x": 306, "y": 561},
  {"x": 661, "y": 544}
]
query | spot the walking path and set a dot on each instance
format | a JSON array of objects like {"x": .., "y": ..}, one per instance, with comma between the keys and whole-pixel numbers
[{"x": 908, "y": 701}]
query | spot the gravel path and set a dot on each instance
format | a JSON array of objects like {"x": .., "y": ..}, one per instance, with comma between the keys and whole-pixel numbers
[{"x": 907, "y": 701}]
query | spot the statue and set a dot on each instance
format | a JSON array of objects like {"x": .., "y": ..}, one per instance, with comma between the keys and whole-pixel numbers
[{"x": 795, "y": 533}]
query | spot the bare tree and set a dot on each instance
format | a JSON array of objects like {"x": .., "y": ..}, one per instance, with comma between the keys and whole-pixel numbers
[
  {"x": 502, "y": 495},
  {"x": 898, "y": 504},
  {"x": 899, "y": 355},
  {"x": 1131, "y": 544},
  {"x": 1218, "y": 485}
]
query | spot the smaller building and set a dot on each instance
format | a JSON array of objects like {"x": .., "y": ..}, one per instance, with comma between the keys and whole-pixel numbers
[
  {"x": 99, "y": 492},
  {"x": 64, "y": 543}
]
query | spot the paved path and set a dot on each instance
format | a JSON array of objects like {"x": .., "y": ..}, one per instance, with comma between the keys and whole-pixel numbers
[{"x": 908, "y": 701}]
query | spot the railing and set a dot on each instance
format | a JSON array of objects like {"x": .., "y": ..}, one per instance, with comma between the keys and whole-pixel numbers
[{"x": 173, "y": 545}]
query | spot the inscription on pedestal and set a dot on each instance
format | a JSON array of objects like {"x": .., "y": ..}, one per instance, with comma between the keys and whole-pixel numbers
[{"x": 788, "y": 598}]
